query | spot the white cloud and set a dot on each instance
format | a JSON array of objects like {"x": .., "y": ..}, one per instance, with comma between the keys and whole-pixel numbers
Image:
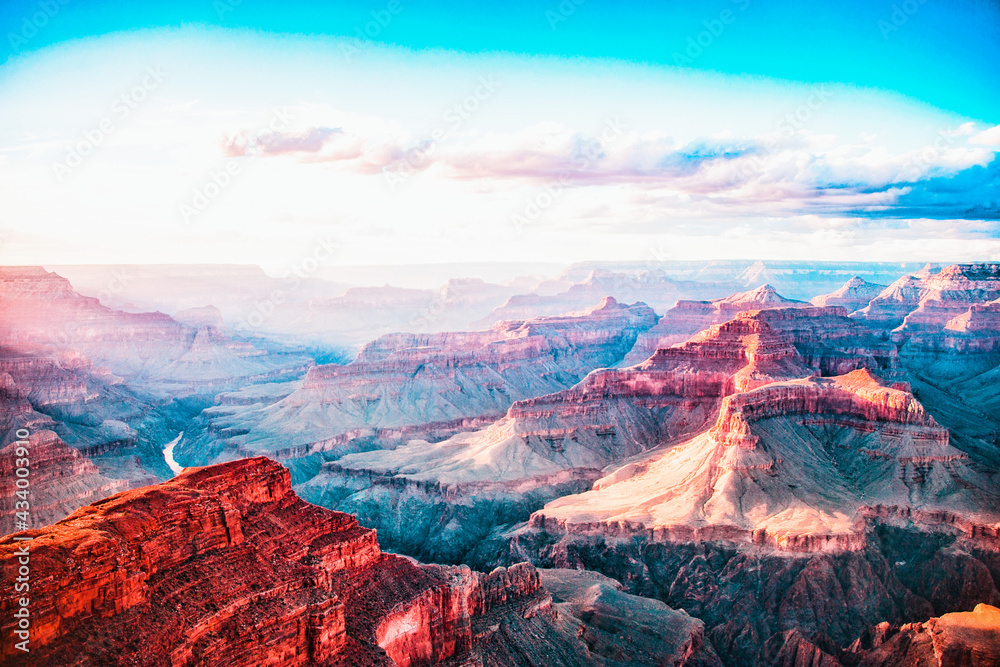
[
  {"x": 634, "y": 157},
  {"x": 990, "y": 137}
]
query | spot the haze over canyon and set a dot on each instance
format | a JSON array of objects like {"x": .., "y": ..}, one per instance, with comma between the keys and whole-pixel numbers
[{"x": 717, "y": 463}]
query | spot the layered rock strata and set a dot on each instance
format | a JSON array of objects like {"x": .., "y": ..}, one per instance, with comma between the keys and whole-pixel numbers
[
  {"x": 433, "y": 381},
  {"x": 856, "y": 293},
  {"x": 689, "y": 317},
  {"x": 793, "y": 465},
  {"x": 614, "y": 414},
  {"x": 226, "y": 566},
  {"x": 93, "y": 411},
  {"x": 61, "y": 480},
  {"x": 38, "y": 308},
  {"x": 950, "y": 293},
  {"x": 958, "y": 639},
  {"x": 439, "y": 499},
  {"x": 924, "y": 302}
]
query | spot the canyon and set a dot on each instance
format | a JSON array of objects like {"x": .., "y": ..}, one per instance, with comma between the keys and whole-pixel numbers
[
  {"x": 405, "y": 385},
  {"x": 687, "y": 318},
  {"x": 794, "y": 471},
  {"x": 39, "y": 308},
  {"x": 562, "y": 443},
  {"x": 64, "y": 479},
  {"x": 226, "y": 565}
]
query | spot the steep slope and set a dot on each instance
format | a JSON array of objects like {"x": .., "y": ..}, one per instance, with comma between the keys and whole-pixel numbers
[
  {"x": 615, "y": 414},
  {"x": 958, "y": 639},
  {"x": 408, "y": 385},
  {"x": 926, "y": 301},
  {"x": 623, "y": 629},
  {"x": 952, "y": 640},
  {"x": 975, "y": 331},
  {"x": 856, "y": 293},
  {"x": 92, "y": 410},
  {"x": 950, "y": 347},
  {"x": 950, "y": 293},
  {"x": 893, "y": 304},
  {"x": 201, "y": 570},
  {"x": 689, "y": 317},
  {"x": 453, "y": 492},
  {"x": 61, "y": 480},
  {"x": 796, "y": 465}
]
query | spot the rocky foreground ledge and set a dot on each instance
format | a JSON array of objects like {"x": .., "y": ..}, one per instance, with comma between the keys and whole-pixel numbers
[{"x": 226, "y": 566}]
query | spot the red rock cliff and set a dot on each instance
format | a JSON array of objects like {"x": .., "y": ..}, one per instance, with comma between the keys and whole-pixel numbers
[
  {"x": 61, "y": 479},
  {"x": 225, "y": 565},
  {"x": 857, "y": 395}
]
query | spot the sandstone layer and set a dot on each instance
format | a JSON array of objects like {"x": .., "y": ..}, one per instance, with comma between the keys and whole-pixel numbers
[
  {"x": 439, "y": 499},
  {"x": 795, "y": 465},
  {"x": 93, "y": 411},
  {"x": 958, "y": 639},
  {"x": 614, "y": 414},
  {"x": 227, "y": 566},
  {"x": 689, "y": 317},
  {"x": 925, "y": 302}
]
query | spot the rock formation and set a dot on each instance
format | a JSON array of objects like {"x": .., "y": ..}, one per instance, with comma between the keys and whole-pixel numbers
[
  {"x": 661, "y": 283},
  {"x": 689, "y": 317},
  {"x": 617, "y": 413},
  {"x": 435, "y": 382},
  {"x": 973, "y": 332},
  {"x": 654, "y": 288},
  {"x": 810, "y": 483},
  {"x": 93, "y": 411},
  {"x": 794, "y": 465},
  {"x": 38, "y": 308},
  {"x": 61, "y": 480},
  {"x": 952, "y": 640},
  {"x": 555, "y": 444},
  {"x": 624, "y": 629},
  {"x": 926, "y": 301},
  {"x": 856, "y": 293},
  {"x": 755, "y": 600},
  {"x": 226, "y": 566},
  {"x": 958, "y": 639},
  {"x": 949, "y": 294},
  {"x": 893, "y": 304}
]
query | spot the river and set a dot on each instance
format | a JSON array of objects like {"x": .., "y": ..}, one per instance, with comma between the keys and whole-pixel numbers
[{"x": 168, "y": 454}]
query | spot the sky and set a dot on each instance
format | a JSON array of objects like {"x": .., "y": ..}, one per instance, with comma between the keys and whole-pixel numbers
[{"x": 413, "y": 131}]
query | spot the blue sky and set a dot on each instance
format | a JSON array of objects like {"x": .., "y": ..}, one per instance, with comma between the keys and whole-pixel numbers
[
  {"x": 938, "y": 51},
  {"x": 527, "y": 131}
]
